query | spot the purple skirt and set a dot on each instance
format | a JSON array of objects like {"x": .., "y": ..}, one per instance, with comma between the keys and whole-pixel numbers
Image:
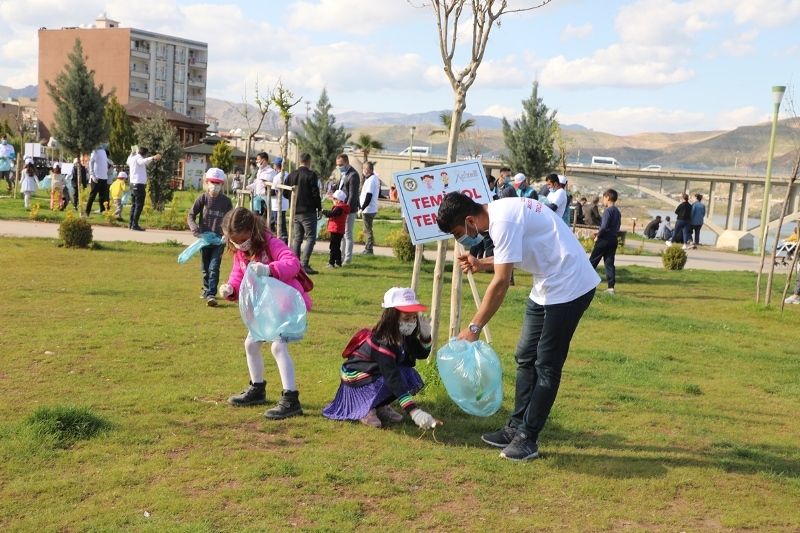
[{"x": 353, "y": 403}]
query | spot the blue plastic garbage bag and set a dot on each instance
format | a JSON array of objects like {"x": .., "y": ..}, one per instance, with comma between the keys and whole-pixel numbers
[
  {"x": 126, "y": 197},
  {"x": 207, "y": 238},
  {"x": 472, "y": 375},
  {"x": 255, "y": 204},
  {"x": 271, "y": 309},
  {"x": 46, "y": 182}
]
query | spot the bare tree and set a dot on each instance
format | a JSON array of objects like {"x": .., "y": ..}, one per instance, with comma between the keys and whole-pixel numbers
[
  {"x": 483, "y": 14},
  {"x": 253, "y": 119},
  {"x": 282, "y": 98}
]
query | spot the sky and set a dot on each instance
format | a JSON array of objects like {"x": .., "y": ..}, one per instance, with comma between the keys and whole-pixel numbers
[{"x": 617, "y": 66}]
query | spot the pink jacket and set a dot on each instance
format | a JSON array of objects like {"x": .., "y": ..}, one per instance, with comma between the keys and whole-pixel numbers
[{"x": 283, "y": 265}]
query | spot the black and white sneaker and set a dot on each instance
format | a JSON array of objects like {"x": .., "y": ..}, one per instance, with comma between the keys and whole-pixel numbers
[
  {"x": 501, "y": 438},
  {"x": 521, "y": 448}
]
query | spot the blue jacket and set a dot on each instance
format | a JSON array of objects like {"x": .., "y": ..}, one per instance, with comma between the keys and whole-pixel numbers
[{"x": 698, "y": 214}]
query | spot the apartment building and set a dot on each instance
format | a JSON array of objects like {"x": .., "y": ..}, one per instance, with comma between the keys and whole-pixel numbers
[{"x": 168, "y": 71}]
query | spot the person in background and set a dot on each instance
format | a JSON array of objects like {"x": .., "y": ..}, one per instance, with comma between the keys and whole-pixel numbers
[
  {"x": 7, "y": 160},
  {"x": 503, "y": 182},
  {"x": 279, "y": 202},
  {"x": 794, "y": 299},
  {"x": 78, "y": 179},
  {"x": 98, "y": 178},
  {"x": 337, "y": 220},
  {"x": 664, "y": 232},
  {"x": 393, "y": 194},
  {"x": 58, "y": 183},
  {"x": 567, "y": 216},
  {"x": 117, "y": 191},
  {"x": 697, "y": 218},
  {"x": 308, "y": 210},
  {"x": 29, "y": 182},
  {"x": 557, "y": 196},
  {"x": 580, "y": 215},
  {"x": 652, "y": 228},
  {"x": 349, "y": 183},
  {"x": 683, "y": 228},
  {"x": 264, "y": 176},
  {"x": 591, "y": 213},
  {"x": 522, "y": 188},
  {"x": 605, "y": 240},
  {"x": 212, "y": 206},
  {"x": 137, "y": 163},
  {"x": 368, "y": 201}
]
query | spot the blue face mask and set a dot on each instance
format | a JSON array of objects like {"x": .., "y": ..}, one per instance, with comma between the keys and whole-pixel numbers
[
  {"x": 551, "y": 189},
  {"x": 467, "y": 241},
  {"x": 342, "y": 169},
  {"x": 104, "y": 146},
  {"x": 5, "y": 141}
]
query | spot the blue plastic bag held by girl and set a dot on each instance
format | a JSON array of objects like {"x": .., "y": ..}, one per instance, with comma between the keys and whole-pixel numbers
[
  {"x": 271, "y": 309},
  {"x": 45, "y": 183},
  {"x": 207, "y": 238},
  {"x": 472, "y": 375}
]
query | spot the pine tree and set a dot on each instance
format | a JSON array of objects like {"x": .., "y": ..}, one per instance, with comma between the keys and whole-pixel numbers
[
  {"x": 121, "y": 136},
  {"x": 160, "y": 137},
  {"x": 222, "y": 156},
  {"x": 79, "y": 124},
  {"x": 530, "y": 140},
  {"x": 321, "y": 139}
]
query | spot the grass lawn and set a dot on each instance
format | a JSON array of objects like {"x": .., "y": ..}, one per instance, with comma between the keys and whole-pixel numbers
[{"x": 677, "y": 410}]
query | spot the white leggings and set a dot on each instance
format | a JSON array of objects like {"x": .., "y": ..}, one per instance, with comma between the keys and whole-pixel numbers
[
  {"x": 27, "y": 195},
  {"x": 255, "y": 362}
]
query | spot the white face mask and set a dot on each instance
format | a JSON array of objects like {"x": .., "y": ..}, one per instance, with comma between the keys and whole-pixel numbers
[
  {"x": 213, "y": 188},
  {"x": 245, "y": 246},
  {"x": 407, "y": 328}
]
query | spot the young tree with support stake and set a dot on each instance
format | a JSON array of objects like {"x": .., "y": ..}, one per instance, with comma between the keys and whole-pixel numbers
[
  {"x": 321, "y": 138},
  {"x": 483, "y": 14},
  {"x": 262, "y": 104},
  {"x": 282, "y": 98},
  {"x": 79, "y": 120}
]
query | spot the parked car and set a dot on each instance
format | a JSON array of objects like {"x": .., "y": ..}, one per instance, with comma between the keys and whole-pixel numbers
[{"x": 652, "y": 168}]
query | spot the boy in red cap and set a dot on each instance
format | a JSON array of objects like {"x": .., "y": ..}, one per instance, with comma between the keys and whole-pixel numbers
[{"x": 211, "y": 206}]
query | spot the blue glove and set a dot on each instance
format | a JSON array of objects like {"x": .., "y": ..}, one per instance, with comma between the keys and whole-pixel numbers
[{"x": 260, "y": 269}]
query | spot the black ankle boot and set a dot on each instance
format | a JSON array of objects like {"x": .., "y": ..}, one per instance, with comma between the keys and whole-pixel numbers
[
  {"x": 288, "y": 405},
  {"x": 254, "y": 394}
]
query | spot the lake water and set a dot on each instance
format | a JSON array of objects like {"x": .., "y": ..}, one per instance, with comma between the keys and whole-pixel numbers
[{"x": 709, "y": 238}]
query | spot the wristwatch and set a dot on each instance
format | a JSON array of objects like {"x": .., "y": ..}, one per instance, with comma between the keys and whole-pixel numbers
[{"x": 474, "y": 328}]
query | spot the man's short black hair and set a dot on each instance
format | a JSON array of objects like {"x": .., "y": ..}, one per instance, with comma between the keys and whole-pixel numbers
[
  {"x": 455, "y": 207},
  {"x": 552, "y": 178},
  {"x": 505, "y": 169},
  {"x": 611, "y": 194},
  {"x": 305, "y": 158},
  {"x": 263, "y": 155},
  {"x": 143, "y": 151}
]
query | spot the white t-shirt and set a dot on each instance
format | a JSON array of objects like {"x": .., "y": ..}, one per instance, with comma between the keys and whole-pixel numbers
[
  {"x": 137, "y": 166},
  {"x": 259, "y": 186},
  {"x": 530, "y": 235},
  {"x": 371, "y": 185},
  {"x": 278, "y": 180},
  {"x": 559, "y": 198},
  {"x": 98, "y": 165}
]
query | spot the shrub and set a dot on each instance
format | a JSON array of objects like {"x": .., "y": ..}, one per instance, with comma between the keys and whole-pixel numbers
[
  {"x": 75, "y": 232},
  {"x": 588, "y": 244},
  {"x": 62, "y": 425},
  {"x": 401, "y": 245},
  {"x": 34, "y": 212},
  {"x": 360, "y": 237},
  {"x": 323, "y": 234},
  {"x": 674, "y": 258}
]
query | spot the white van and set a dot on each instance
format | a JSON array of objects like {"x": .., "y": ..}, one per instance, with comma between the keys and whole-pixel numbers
[
  {"x": 605, "y": 162},
  {"x": 416, "y": 150}
]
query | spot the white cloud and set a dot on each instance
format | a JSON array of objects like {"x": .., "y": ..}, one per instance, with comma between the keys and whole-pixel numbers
[
  {"x": 576, "y": 32},
  {"x": 767, "y": 13},
  {"x": 500, "y": 111},
  {"x": 501, "y": 74},
  {"x": 741, "y": 46},
  {"x": 728, "y": 120},
  {"x": 617, "y": 66},
  {"x": 791, "y": 51},
  {"x": 357, "y": 17}
]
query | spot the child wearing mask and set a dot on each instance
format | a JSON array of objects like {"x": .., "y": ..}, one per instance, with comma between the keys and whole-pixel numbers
[
  {"x": 212, "y": 206},
  {"x": 379, "y": 366},
  {"x": 253, "y": 246},
  {"x": 337, "y": 219}
]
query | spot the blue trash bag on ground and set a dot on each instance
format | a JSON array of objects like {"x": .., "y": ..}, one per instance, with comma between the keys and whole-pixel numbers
[
  {"x": 472, "y": 374},
  {"x": 207, "y": 238},
  {"x": 271, "y": 309}
]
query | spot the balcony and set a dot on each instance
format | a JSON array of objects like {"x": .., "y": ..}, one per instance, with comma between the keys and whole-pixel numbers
[
  {"x": 197, "y": 62},
  {"x": 140, "y": 73},
  {"x": 195, "y": 102},
  {"x": 197, "y": 82},
  {"x": 142, "y": 53},
  {"x": 139, "y": 93}
]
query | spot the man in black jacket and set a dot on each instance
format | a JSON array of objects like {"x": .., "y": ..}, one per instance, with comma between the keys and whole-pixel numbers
[
  {"x": 308, "y": 209},
  {"x": 349, "y": 184}
]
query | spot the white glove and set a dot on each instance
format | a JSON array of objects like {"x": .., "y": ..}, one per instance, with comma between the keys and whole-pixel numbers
[
  {"x": 225, "y": 290},
  {"x": 360, "y": 213},
  {"x": 424, "y": 326},
  {"x": 260, "y": 269},
  {"x": 422, "y": 419}
]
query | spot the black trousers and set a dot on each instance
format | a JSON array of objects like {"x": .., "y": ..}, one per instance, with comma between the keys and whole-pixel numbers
[
  {"x": 137, "y": 203},
  {"x": 99, "y": 189},
  {"x": 336, "y": 249}
]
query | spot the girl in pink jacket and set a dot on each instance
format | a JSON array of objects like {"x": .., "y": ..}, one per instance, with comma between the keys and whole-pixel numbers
[{"x": 250, "y": 241}]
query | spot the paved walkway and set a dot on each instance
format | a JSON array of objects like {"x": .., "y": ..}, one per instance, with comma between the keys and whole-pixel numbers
[{"x": 702, "y": 259}]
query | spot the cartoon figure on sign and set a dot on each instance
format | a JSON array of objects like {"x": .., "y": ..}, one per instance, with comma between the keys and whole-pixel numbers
[
  {"x": 445, "y": 179},
  {"x": 428, "y": 180}
]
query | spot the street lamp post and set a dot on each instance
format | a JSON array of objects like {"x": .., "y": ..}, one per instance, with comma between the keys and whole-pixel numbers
[
  {"x": 736, "y": 161},
  {"x": 777, "y": 96},
  {"x": 411, "y": 146}
]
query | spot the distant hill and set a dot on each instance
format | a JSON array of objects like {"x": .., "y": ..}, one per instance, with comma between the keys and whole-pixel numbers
[{"x": 31, "y": 91}]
